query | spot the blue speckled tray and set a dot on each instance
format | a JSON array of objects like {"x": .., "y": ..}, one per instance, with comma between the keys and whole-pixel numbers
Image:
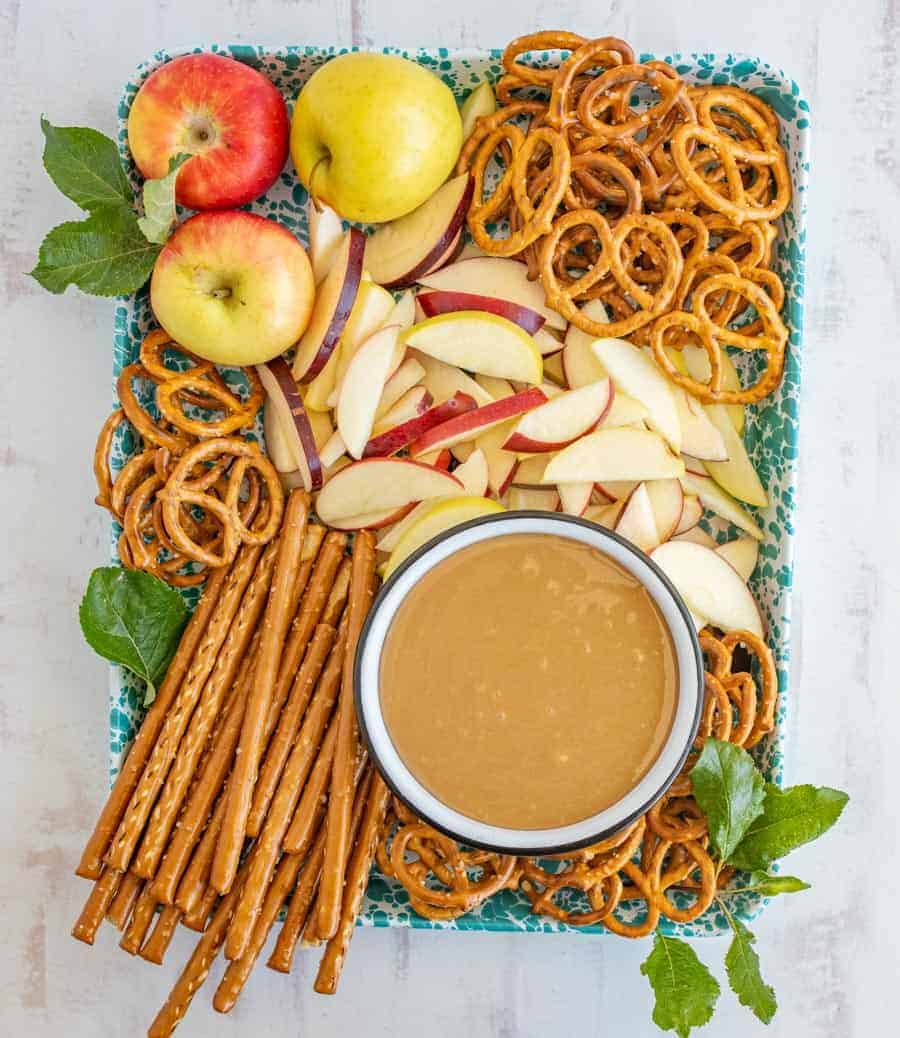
[{"x": 771, "y": 432}]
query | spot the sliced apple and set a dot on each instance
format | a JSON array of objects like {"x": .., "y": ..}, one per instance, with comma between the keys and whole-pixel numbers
[
  {"x": 666, "y": 498},
  {"x": 333, "y": 450},
  {"x": 553, "y": 368},
  {"x": 498, "y": 388},
  {"x": 578, "y": 360},
  {"x": 501, "y": 464},
  {"x": 736, "y": 475},
  {"x": 480, "y": 102},
  {"x": 401, "y": 251},
  {"x": 409, "y": 374},
  {"x": 443, "y": 380},
  {"x": 606, "y": 515},
  {"x": 334, "y": 303},
  {"x": 742, "y": 553},
  {"x": 710, "y": 586},
  {"x": 434, "y": 304},
  {"x": 319, "y": 391},
  {"x": 547, "y": 343},
  {"x": 278, "y": 447},
  {"x": 404, "y": 312},
  {"x": 473, "y": 474},
  {"x": 480, "y": 342},
  {"x": 617, "y": 489},
  {"x": 691, "y": 513},
  {"x": 326, "y": 232},
  {"x": 439, "y": 518},
  {"x": 476, "y": 422},
  {"x": 282, "y": 391},
  {"x": 562, "y": 420},
  {"x": 321, "y": 426},
  {"x": 625, "y": 410},
  {"x": 379, "y": 485},
  {"x": 415, "y": 428},
  {"x": 414, "y": 402},
  {"x": 525, "y": 498},
  {"x": 370, "y": 312},
  {"x": 497, "y": 277},
  {"x": 461, "y": 451},
  {"x": 636, "y": 521},
  {"x": 639, "y": 376},
  {"x": 611, "y": 454},
  {"x": 439, "y": 459},
  {"x": 574, "y": 498},
  {"x": 370, "y": 520},
  {"x": 696, "y": 361},
  {"x": 530, "y": 471},
  {"x": 717, "y": 500},
  {"x": 362, "y": 386},
  {"x": 696, "y": 535},
  {"x": 699, "y": 436}
]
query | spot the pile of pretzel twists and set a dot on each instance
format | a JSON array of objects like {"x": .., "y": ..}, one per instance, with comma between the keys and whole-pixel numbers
[
  {"x": 617, "y": 181},
  {"x": 194, "y": 492}
]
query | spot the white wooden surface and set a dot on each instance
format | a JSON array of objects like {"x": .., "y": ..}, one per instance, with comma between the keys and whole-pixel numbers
[{"x": 833, "y": 953}]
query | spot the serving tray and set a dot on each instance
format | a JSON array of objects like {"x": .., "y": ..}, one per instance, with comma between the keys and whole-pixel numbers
[{"x": 771, "y": 427}]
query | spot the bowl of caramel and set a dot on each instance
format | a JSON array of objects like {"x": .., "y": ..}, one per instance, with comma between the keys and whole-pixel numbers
[{"x": 529, "y": 683}]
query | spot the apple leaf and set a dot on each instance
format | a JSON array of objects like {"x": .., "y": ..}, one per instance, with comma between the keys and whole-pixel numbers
[
  {"x": 84, "y": 164},
  {"x": 105, "y": 255},
  {"x": 730, "y": 791},
  {"x": 159, "y": 203},
  {"x": 771, "y": 886},
  {"x": 742, "y": 967},
  {"x": 685, "y": 990}
]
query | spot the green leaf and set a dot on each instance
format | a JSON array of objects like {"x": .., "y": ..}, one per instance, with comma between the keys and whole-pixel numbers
[
  {"x": 84, "y": 164},
  {"x": 106, "y": 255},
  {"x": 789, "y": 818},
  {"x": 159, "y": 203},
  {"x": 772, "y": 886},
  {"x": 685, "y": 990},
  {"x": 730, "y": 792},
  {"x": 132, "y": 618},
  {"x": 742, "y": 967}
]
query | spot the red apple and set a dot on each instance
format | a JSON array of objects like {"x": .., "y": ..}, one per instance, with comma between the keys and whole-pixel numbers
[
  {"x": 435, "y": 303},
  {"x": 224, "y": 113},
  {"x": 473, "y": 423},
  {"x": 398, "y": 436},
  {"x": 293, "y": 421}
]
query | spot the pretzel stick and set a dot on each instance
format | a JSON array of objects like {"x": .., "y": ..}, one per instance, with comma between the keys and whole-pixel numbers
[
  {"x": 199, "y": 917},
  {"x": 268, "y": 844},
  {"x": 337, "y": 597},
  {"x": 194, "y": 741},
  {"x": 156, "y": 945},
  {"x": 339, "y": 800},
  {"x": 197, "y": 967},
  {"x": 303, "y": 827},
  {"x": 250, "y": 746},
  {"x": 95, "y": 908},
  {"x": 282, "y": 956},
  {"x": 156, "y": 768},
  {"x": 195, "y": 880},
  {"x": 357, "y": 879},
  {"x": 120, "y": 907},
  {"x": 141, "y": 917},
  {"x": 91, "y": 863}
]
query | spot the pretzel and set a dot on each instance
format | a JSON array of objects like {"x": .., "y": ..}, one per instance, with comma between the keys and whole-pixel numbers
[
  {"x": 301, "y": 831},
  {"x": 720, "y": 653},
  {"x": 120, "y": 907},
  {"x": 151, "y": 356},
  {"x": 142, "y": 916},
  {"x": 151, "y": 431},
  {"x": 239, "y": 413},
  {"x": 603, "y": 52},
  {"x": 157, "y": 944},
  {"x": 553, "y": 40},
  {"x": 101, "y": 458}
]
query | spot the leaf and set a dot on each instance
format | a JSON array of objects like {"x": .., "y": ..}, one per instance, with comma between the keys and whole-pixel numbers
[
  {"x": 106, "y": 255},
  {"x": 742, "y": 967},
  {"x": 84, "y": 164},
  {"x": 772, "y": 886},
  {"x": 159, "y": 203},
  {"x": 685, "y": 990},
  {"x": 132, "y": 618},
  {"x": 730, "y": 792},
  {"x": 789, "y": 818}
]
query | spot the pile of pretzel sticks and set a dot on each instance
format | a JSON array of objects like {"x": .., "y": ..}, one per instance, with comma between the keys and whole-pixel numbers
[{"x": 247, "y": 773}]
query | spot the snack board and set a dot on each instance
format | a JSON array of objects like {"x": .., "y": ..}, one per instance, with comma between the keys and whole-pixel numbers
[{"x": 771, "y": 434}]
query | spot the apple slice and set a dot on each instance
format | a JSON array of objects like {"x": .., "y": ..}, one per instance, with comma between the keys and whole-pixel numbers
[
  {"x": 403, "y": 250},
  {"x": 370, "y": 312},
  {"x": 501, "y": 464},
  {"x": 443, "y": 380},
  {"x": 530, "y": 471},
  {"x": 579, "y": 362},
  {"x": 625, "y": 410},
  {"x": 710, "y": 586},
  {"x": 606, "y": 515},
  {"x": 528, "y": 498},
  {"x": 333, "y": 450},
  {"x": 736, "y": 475},
  {"x": 611, "y": 454},
  {"x": 547, "y": 343},
  {"x": 320, "y": 389},
  {"x": 436, "y": 303},
  {"x": 321, "y": 426},
  {"x": 742, "y": 553},
  {"x": 666, "y": 498},
  {"x": 480, "y": 102},
  {"x": 461, "y": 451},
  {"x": 476, "y": 422},
  {"x": 439, "y": 518},
  {"x": 717, "y": 500},
  {"x": 691, "y": 514},
  {"x": 640, "y": 377},
  {"x": 574, "y": 498},
  {"x": 371, "y": 520},
  {"x": 415, "y": 401},
  {"x": 562, "y": 420},
  {"x": 553, "y": 368},
  {"x": 362, "y": 386},
  {"x": 473, "y": 474},
  {"x": 397, "y": 437},
  {"x": 696, "y": 535},
  {"x": 404, "y": 312},
  {"x": 409, "y": 374},
  {"x": 699, "y": 436},
  {"x": 498, "y": 277},
  {"x": 696, "y": 361},
  {"x": 617, "y": 489},
  {"x": 278, "y": 447},
  {"x": 379, "y": 485},
  {"x": 498, "y": 388},
  {"x": 282, "y": 391},
  {"x": 478, "y": 341},
  {"x": 636, "y": 523},
  {"x": 439, "y": 459},
  {"x": 326, "y": 232},
  {"x": 334, "y": 302}
]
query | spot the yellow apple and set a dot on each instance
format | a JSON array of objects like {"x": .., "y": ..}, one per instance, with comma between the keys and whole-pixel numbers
[{"x": 374, "y": 135}]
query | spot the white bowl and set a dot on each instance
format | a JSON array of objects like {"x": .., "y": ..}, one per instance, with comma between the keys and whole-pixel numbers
[{"x": 589, "y": 830}]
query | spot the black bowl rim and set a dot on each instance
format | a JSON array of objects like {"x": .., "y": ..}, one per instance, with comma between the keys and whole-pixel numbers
[{"x": 555, "y": 517}]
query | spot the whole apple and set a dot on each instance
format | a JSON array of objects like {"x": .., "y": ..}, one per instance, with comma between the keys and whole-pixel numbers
[
  {"x": 226, "y": 114},
  {"x": 233, "y": 287},
  {"x": 374, "y": 135}
]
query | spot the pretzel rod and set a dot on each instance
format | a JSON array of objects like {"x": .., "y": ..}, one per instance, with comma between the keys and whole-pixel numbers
[
  {"x": 250, "y": 746},
  {"x": 337, "y": 597},
  {"x": 268, "y": 844},
  {"x": 298, "y": 912},
  {"x": 156, "y": 945},
  {"x": 357, "y": 879},
  {"x": 194, "y": 882},
  {"x": 199, "y": 917},
  {"x": 91, "y": 863},
  {"x": 339, "y": 800},
  {"x": 285, "y": 733},
  {"x": 120, "y": 907},
  {"x": 95, "y": 908},
  {"x": 141, "y": 917},
  {"x": 154, "y": 773},
  {"x": 303, "y": 826}
]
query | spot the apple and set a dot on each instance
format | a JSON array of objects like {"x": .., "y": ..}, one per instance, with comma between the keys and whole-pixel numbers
[
  {"x": 501, "y": 464},
  {"x": 606, "y": 515},
  {"x": 278, "y": 448},
  {"x": 404, "y": 311},
  {"x": 666, "y": 498},
  {"x": 397, "y": 437},
  {"x": 736, "y": 474},
  {"x": 547, "y": 342},
  {"x": 476, "y": 422},
  {"x": 361, "y": 388},
  {"x": 636, "y": 522},
  {"x": 574, "y": 498},
  {"x": 435, "y": 303},
  {"x": 473, "y": 474},
  {"x": 391, "y": 537},
  {"x": 228, "y": 116},
  {"x": 699, "y": 436},
  {"x": 414, "y": 401},
  {"x": 691, "y": 514},
  {"x": 377, "y": 485},
  {"x": 717, "y": 500},
  {"x": 625, "y": 410},
  {"x": 370, "y": 520},
  {"x": 400, "y": 252},
  {"x": 696, "y": 361},
  {"x": 520, "y": 499},
  {"x": 333, "y": 450},
  {"x": 710, "y": 586},
  {"x": 696, "y": 535},
  {"x": 480, "y": 102},
  {"x": 562, "y": 420},
  {"x": 443, "y": 380},
  {"x": 374, "y": 135},
  {"x": 741, "y": 553},
  {"x": 497, "y": 387},
  {"x": 326, "y": 234},
  {"x": 284, "y": 397},
  {"x": 233, "y": 288},
  {"x": 334, "y": 302},
  {"x": 461, "y": 451},
  {"x": 481, "y": 342},
  {"x": 617, "y": 489},
  {"x": 498, "y": 277},
  {"x": 611, "y": 454},
  {"x": 580, "y": 364},
  {"x": 371, "y": 309},
  {"x": 530, "y": 470},
  {"x": 408, "y": 375},
  {"x": 553, "y": 367}
]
